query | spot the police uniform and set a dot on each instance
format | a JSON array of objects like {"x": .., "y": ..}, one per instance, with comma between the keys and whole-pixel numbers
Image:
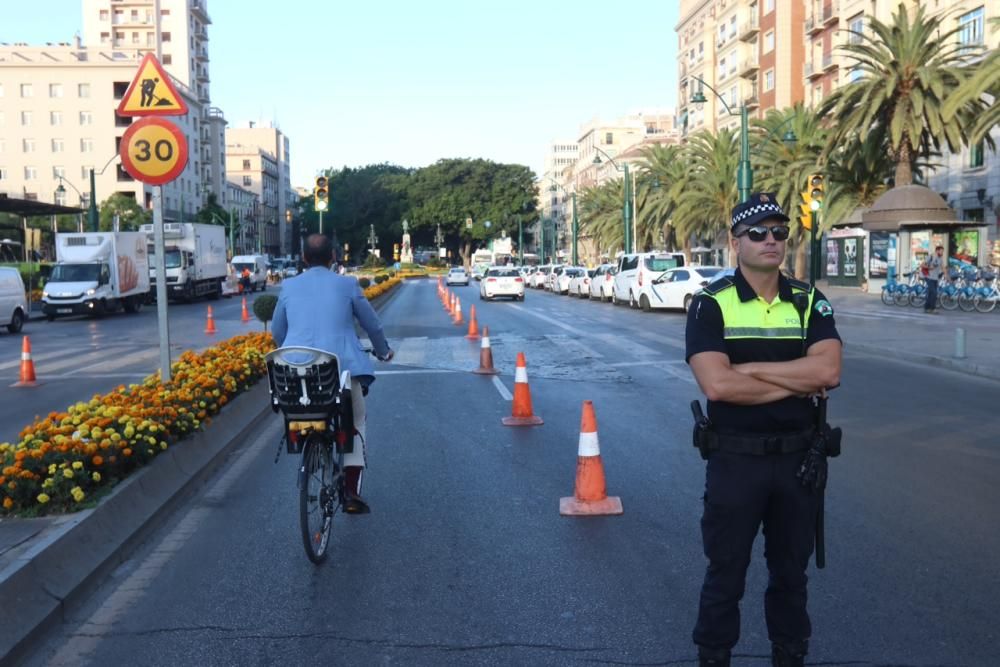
[{"x": 755, "y": 452}]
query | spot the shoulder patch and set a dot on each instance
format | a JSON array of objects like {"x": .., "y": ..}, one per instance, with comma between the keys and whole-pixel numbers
[
  {"x": 799, "y": 284},
  {"x": 823, "y": 307},
  {"x": 718, "y": 285}
]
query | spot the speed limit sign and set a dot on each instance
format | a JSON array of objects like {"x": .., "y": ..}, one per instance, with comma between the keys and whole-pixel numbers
[{"x": 154, "y": 151}]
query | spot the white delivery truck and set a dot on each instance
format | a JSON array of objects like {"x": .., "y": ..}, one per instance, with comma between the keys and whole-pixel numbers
[
  {"x": 256, "y": 265},
  {"x": 195, "y": 259},
  {"x": 97, "y": 273}
]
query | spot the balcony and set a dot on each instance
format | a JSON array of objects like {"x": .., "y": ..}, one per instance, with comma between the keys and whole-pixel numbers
[
  {"x": 199, "y": 9},
  {"x": 811, "y": 71},
  {"x": 749, "y": 67},
  {"x": 720, "y": 41},
  {"x": 751, "y": 101},
  {"x": 828, "y": 63},
  {"x": 749, "y": 30},
  {"x": 813, "y": 27},
  {"x": 831, "y": 12},
  {"x": 202, "y": 54},
  {"x": 203, "y": 76}
]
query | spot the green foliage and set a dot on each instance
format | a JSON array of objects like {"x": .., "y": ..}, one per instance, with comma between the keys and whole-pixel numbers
[
  {"x": 381, "y": 278},
  {"x": 263, "y": 308},
  {"x": 212, "y": 213},
  {"x": 364, "y": 282},
  {"x": 130, "y": 214},
  {"x": 984, "y": 81}
]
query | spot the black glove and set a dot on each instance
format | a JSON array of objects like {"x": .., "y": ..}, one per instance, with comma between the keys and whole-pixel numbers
[{"x": 812, "y": 470}]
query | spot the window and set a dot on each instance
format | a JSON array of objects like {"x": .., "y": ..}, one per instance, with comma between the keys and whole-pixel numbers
[
  {"x": 105, "y": 37},
  {"x": 30, "y": 173},
  {"x": 150, "y": 39},
  {"x": 25, "y": 118},
  {"x": 247, "y": 180},
  {"x": 83, "y": 90},
  {"x": 120, "y": 88},
  {"x": 246, "y": 164},
  {"x": 856, "y": 74},
  {"x": 1, "y": 90},
  {"x": 135, "y": 38},
  {"x": 856, "y": 24},
  {"x": 609, "y": 138},
  {"x": 58, "y": 145},
  {"x": 105, "y": 16},
  {"x": 55, "y": 118},
  {"x": 168, "y": 59},
  {"x": 55, "y": 90},
  {"x": 85, "y": 170},
  {"x": 164, "y": 12},
  {"x": 165, "y": 37},
  {"x": 722, "y": 67},
  {"x": 732, "y": 26},
  {"x": 135, "y": 16},
  {"x": 733, "y": 92},
  {"x": 976, "y": 156},
  {"x": 3, "y": 173},
  {"x": 769, "y": 41},
  {"x": 58, "y": 172},
  {"x": 86, "y": 118},
  {"x": 971, "y": 27},
  {"x": 86, "y": 145},
  {"x": 28, "y": 145},
  {"x": 26, "y": 90},
  {"x": 768, "y": 6},
  {"x": 769, "y": 80}
]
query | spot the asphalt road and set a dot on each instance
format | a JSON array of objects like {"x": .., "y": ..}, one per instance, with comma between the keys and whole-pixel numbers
[{"x": 466, "y": 561}]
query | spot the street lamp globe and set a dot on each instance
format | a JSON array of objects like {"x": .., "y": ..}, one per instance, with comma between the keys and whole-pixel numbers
[{"x": 789, "y": 138}]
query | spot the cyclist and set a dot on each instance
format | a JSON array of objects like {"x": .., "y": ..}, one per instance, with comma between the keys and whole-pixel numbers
[{"x": 317, "y": 309}]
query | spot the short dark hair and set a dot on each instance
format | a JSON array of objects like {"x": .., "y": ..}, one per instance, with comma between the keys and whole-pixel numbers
[
  {"x": 940, "y": 247},
  {"x": 318, "y": 250}
]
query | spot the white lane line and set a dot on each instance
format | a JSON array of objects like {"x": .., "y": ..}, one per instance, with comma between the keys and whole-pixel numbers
[
  {"x": 37, "y": 357},
  {"x": 550, "y": 320},
  {"x": 44, "y": 377},
  {"x": 103, "y": 621},
  {"x": 415, "y": 371},
  {"x": 148, "y": 354},
  {"x": 504, "y": 394}
]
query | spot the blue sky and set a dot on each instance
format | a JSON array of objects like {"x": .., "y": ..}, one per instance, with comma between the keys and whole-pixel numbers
[{"x": 407, "y": 82}]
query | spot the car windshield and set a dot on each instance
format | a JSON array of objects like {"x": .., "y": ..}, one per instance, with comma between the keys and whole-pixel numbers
[
  {"x": 75, "y": 273},
  {"x": 661, "y": 263},
  {"x": 239, "y": 266},
  {"x": 572, "y": 273},
  {"x": 503, "y": 273},
  {"x": 708, "y": 272}
]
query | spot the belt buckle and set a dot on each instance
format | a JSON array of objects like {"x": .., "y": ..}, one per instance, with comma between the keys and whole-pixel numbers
[{"x": 772, "y": 445}]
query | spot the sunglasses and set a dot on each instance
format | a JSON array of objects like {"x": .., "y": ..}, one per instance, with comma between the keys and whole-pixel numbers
[{"x": 758, "y": 233}]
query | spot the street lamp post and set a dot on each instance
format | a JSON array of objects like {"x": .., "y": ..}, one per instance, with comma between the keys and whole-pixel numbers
[
  {"x": 626, "y": 204},
  {"x": 62, "y": 190},
  {"x": 520, "y": 241},
  {"x": 92, "y": 218},
  {"x": 372, "y": 239},
  {"x": 576, "y": 222}
]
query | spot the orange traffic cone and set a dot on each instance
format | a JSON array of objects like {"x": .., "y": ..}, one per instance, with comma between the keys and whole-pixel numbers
[
  {"x": 458, "y": 312},
  {"x": 590, "y": 493},
  {"x": 473, "y": 325},
  {"x": 521, "y": 414},
  {"x": 210, "y": 322},
  {"x": 245, "y": 316},
  {"x": 27, "y": 376},
  {"x": 449, "y": 303},
  {"x": 486, "y": 356}
]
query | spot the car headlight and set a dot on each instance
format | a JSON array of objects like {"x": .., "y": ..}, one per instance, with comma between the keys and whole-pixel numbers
[
  {"x": 91, "y": 292},
  {"x": 45, "y": 295}
]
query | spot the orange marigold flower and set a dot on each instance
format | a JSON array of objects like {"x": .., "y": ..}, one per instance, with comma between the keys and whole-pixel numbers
[
  {"x": 97, "y": 460},
  {"x": 127, "y": 451}
]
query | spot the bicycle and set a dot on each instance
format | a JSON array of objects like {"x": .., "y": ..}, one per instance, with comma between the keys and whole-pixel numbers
[
  {"x": 891, "y": 288},
  {"x": 987, "y": 293},
  {"x": 949, "y": 289},
  {"x": 314, "y": 396}
]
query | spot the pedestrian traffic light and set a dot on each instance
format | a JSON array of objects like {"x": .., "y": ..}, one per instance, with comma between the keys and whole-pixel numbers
[
  {"x": 816, "y": 191},
  {"x": 395, "y": 252},
  {"x": 321, "y": 194}
]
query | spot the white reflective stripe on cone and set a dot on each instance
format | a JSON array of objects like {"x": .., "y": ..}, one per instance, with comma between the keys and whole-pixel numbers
[
  {"x": 521, "y": 375},
  {"x": 589, "y": 445},
  {"x": 486, "y": 342},
  {"x": 26, "y": 356}
]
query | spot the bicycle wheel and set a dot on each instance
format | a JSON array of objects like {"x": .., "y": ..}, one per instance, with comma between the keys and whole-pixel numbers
[
  {"x": 947, "y": 301},
  {"x": 918, "y": 299},
  {"x": 966, "y": 302},
  {"x": 886, "y": 296},
  {"x": 317, "y": 497},
  {"x": 985, "y": 304},
  {"x": 901, "y": 297}
]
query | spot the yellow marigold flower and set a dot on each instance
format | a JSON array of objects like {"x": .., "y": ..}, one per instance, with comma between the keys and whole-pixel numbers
[
  {"x": 77, "y": 465},
  {"x": 52, "y": 469},
  {"x": 129, "y": 431},
  {"x": 67, "y": 473},
  {"x": 77, "y": 493},
  {"x": 48, "y": 483},
  {"x": 96, "y": 477},
  {"x": 42, "y": 498}
]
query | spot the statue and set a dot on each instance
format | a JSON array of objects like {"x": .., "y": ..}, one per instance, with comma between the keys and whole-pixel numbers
[{"x": 406, "y": 253}]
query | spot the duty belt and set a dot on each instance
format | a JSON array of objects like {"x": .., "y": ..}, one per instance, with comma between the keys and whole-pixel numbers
[{"x": 759, "y": 445}]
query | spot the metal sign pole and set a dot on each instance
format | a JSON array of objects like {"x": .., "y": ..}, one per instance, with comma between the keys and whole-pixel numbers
[{"x": 161, "y": 284}]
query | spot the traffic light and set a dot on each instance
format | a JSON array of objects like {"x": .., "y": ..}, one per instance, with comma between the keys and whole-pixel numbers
[
  {"x": 347, "y": 252},
  {"x": 816, "y": 191},
  {"x": 321, "y": 194},
  {"x": 395, "y": 252},
  {"x": 806, "y": 207}
]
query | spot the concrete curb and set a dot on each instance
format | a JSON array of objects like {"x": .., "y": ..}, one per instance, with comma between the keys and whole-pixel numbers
[
  {"x": 945, "y": 363},
  {"x": 67, "y": 561}
]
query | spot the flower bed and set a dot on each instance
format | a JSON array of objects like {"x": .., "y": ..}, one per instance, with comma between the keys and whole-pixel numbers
[{"x": 381, "y": 288}]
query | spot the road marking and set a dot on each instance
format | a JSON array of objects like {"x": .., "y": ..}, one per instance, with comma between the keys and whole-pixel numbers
[
  {"x": 627, "y": 344},
  {"x": 44, "y": 377},
  {"x": 148, "y": 354},
  {"x": 504, "y": 394},
  {"x": 103, "y": 621},
  {"x": 550, "y": 320},
  {"x": 40, "y": 357},
  {"x": 415, "y": 371}
]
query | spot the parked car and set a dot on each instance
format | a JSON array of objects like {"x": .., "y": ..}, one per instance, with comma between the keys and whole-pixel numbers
[
  {"x": 676, "y": 288},
  {"x": 540, "y": 275},
  {"x": 502, "y": 281},
  {"x": 566, "y": 276},
  {"x": 636, "y": 269},
  {"x": 552, "y": 280},
  {"x": 579, "y": 285},
  {"x": 457, "y": 276},
  {"x": 602, "y": 282},
  {"x": 13, "y": 308}
]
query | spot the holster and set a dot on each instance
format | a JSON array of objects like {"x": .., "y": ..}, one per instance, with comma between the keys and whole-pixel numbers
[
  {"x": 831, "y": 437},
  {"x": 702, "y": 435}
]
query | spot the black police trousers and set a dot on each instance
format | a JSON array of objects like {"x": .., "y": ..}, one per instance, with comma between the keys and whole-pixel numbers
[{"x": 742, "y": 491}]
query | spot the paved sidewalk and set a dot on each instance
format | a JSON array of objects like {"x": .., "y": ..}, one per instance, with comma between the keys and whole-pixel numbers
[{"x": 907, "y": 333}]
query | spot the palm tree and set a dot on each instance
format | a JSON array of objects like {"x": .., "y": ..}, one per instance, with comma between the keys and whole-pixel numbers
[
  {"x": 858, "y": 173},
  {"x": 909, "y": 69},
  {"x": 984, "y": 81},
  {"x": 600, "y": 210},
  {"x": 661, "y": 169}
]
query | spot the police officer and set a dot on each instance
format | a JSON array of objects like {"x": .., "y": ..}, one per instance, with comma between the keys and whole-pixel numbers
[{"x": 760, "y": 345}]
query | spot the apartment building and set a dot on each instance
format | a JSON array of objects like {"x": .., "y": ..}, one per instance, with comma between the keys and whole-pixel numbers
[
  {"x": 558, "y": 157},
  {"x": 275, "y": 143},
  {"x": 244, "y": 205},
  {"x": 256, "y": 170}
]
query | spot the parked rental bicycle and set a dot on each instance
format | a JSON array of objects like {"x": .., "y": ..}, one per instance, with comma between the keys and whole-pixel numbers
[{"x": 314, "y": 395}]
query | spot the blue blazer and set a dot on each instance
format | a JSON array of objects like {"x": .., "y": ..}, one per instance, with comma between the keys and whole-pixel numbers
[{"x": 317, "y": 309}]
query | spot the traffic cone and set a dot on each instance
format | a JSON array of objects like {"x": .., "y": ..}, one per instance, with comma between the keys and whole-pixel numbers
[
  {"x": 449, "y": 303},
  {"x": 473, "y": 325},
  {"x": 486, "y": 356},
  {"x": 590, "y": 493},
  {"x": 458, "y": 312},
  {"x": 245, "y": 316},
  {"x": 210, "y": 323},
  {"x": 521, "y": 414},
  {"x": 27, "y": 375}
]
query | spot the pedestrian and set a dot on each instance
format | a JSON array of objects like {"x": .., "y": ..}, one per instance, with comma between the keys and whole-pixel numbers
[
  {"x": 759, "y": 344},
  {"x": 933, "y": 270}
]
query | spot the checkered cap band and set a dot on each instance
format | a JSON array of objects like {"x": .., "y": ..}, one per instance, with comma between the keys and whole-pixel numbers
[{"x": 757, "y": 211}]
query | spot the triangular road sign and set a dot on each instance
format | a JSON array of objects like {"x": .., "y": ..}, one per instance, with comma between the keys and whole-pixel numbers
[{"x": 151, "y": 92}]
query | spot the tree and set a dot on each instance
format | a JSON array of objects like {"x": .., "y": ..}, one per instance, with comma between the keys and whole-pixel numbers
[
  {"x": 984, "y": 81},
  {"x": 662, "y": 170},
  {"x": 212, "y": 213},
  {"x": 130, "y": 214},
  {"x": 908, "y": 71},
  {"x": 600, "y": 209}
]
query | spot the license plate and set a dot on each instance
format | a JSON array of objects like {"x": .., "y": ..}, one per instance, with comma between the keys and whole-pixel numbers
[{"x": 64, "y": 311}]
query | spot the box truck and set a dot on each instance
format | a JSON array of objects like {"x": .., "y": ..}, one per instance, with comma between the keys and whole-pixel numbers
[
  {"x": 195, "y": 259},
  {"x": 97, "y": 273}
]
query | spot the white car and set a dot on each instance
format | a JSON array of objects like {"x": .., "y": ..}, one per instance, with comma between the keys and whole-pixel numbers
[
  {"x": 552, "y": 279},
  {"x": 457, "y": 276},
  {"x": 502, "y": 281},
  {"x": 635, "y": 270},
  {"x": 677, "y": 287},
  {"x": 602, "y": 282},
  {"x": 579, "y": 286},
  {"x": 566, "y": 278},
  {"x": 540, "y": 275},
  {"x": 13, "y": 308}
]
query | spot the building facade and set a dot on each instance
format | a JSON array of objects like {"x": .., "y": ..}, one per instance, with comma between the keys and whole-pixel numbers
[
  {"x": 256, "y": 170},
  {"x": 244, "y": 207},
  {"x": 275, "y": 143}
]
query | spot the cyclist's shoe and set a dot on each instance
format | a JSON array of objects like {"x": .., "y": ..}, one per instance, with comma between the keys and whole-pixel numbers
[{"x": 353, "y": 504}]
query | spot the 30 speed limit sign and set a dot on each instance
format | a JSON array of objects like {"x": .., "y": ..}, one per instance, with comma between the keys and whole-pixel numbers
[{"x": 154, "y": 151}]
